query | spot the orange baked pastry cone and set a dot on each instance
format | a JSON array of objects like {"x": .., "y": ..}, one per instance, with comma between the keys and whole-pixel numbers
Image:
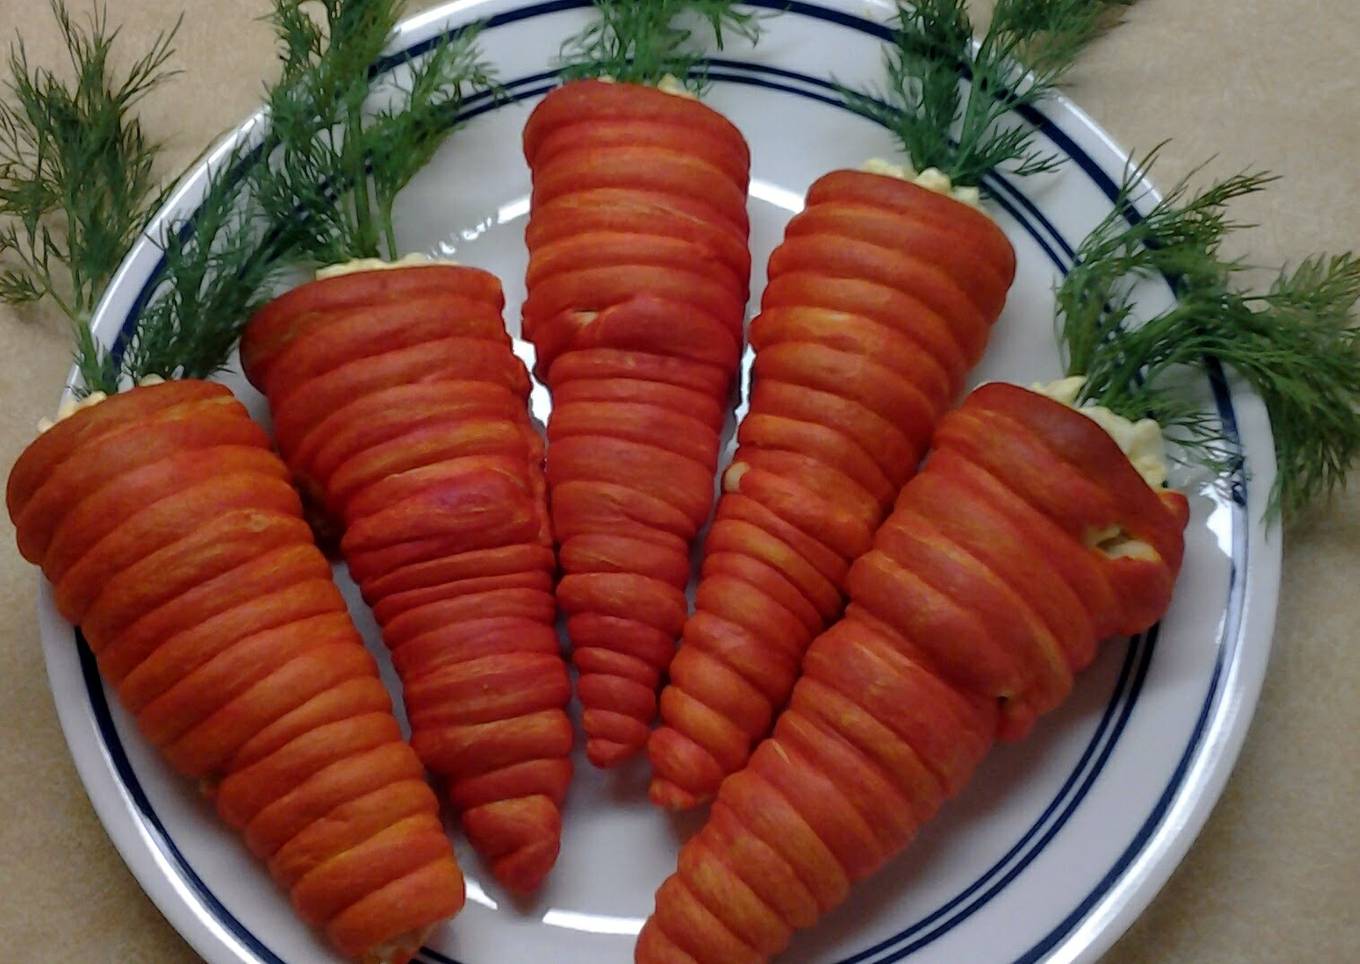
[
  {"x": 637, "y": 288},
  {"x": 880, "y": 300},
  {"x": 166, "y": 524},
  {"x": 1040, "y": 525},
  {"x": 401, "y": 410},
  {"x": 1026, "y": 539},
  {"x": 173, "y": 539}
]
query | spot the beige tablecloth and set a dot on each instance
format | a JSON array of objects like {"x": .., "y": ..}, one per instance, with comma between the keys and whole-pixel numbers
[{"x": 1275, "y": 875}]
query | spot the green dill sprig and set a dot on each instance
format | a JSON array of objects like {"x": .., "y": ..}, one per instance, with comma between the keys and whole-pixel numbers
[
  {"x": 78, "y": 187},
  {"x": 1025, "y": 55},
  {"x": 257, "y": 214},
  {"x": 1179, "y": 238},
  {"x": 1295, "y": 343},
  {"x": 321, "y": 186},
  {"x": 340, "y": 166},
  {"x": 644, "y": 41},
  {"x": 216, "y": 271},
  {"x": 77, "y": 173}
]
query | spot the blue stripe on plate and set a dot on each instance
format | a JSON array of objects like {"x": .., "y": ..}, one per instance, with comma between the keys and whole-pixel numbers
[
  {"x": 89, "y": 670},
  {"x": 1136, "y": 660},
  {"x": 1140, "y": 651},
  {"x": 1236, "y": 597},
  {"x": 436, "y": 957}
]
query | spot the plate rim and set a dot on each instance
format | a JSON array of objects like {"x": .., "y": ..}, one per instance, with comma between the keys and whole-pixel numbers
[{"x": 1227, "y": 716}]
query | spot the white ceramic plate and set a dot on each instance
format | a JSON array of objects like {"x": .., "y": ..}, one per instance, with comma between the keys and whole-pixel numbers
[{"x": 1059, "y": 842}]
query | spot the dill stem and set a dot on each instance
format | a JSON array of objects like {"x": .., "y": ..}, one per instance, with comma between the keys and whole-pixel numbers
[
  {"x": 71, "y": 311},
  {"x": 366, "y": 231},
  {"x": 389, "y": 232}
]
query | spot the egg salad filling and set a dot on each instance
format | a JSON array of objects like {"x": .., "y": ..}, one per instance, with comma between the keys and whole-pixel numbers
[
  {"x": 669, "y": 84},
  {"x": 1141, "y": 442},
  {"x": 360, "y": 265},
  {"x": 71, "y": 405},
  {"x": 932, "y": 179}
]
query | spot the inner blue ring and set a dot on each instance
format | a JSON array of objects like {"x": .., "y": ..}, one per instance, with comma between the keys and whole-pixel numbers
[{"x": 1140, "y": 651}]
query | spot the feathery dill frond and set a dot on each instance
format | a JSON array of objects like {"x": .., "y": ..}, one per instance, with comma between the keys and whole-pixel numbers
[
  {"x": 77, "y": 173},
  {"x": 1296, "y": 343},
  {"x": 1025, "y": 55},
  {"x": 644, "y": 41},
  {"x": 216, "y": 270},
  {"x": 339, "y": 167},
  {"x": 77, "y": 184}
]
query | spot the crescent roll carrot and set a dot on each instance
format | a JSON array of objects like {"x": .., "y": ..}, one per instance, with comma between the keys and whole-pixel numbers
[
  {"x": 1026, "y": 539},
  {"x": 169, "y": 529},
  {"x": 172, "y": 538},
  {"x": 637, "y": 286},
  {"x": 1040, "y": 525},
  {"x": 401, "y": 410},
  {"x": 880, "y": 300}
]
